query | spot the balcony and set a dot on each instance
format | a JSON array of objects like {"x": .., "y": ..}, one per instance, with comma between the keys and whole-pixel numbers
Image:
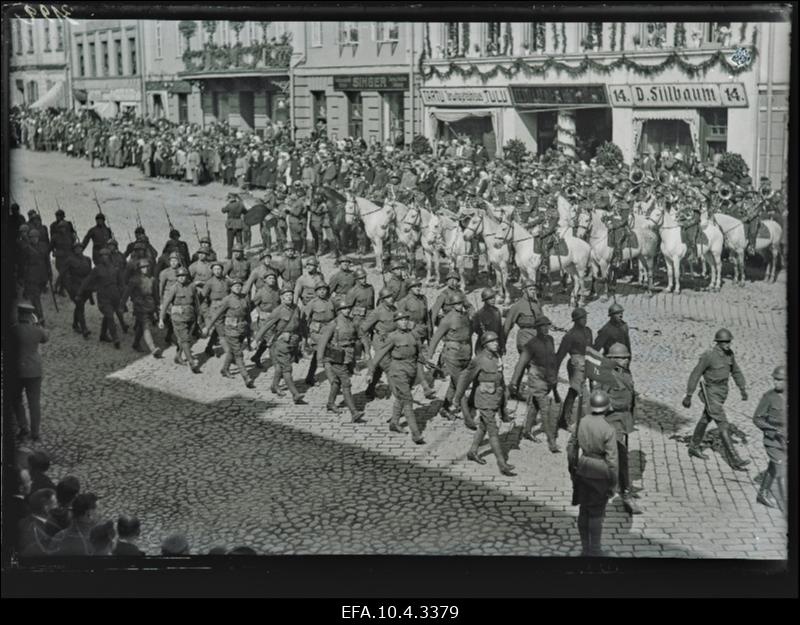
[{"x": 258, "y": 58}]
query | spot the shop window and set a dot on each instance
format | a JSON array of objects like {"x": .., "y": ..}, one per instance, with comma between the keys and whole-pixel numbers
[
  {"x": 81, "y": 60},
  {"x": 92, "y": 60},
  {"x": 593, "y": 127},
  {"x": 387, "y": 31},
  {"x": 718, "y": 33},
  {"x": 355, "y": 114},
  {"x": 714, "y": 129},
  {"x": 535, "y": 35},
  {"x": 665, "y": 134},
  {"x": 46, "y": 34},
  {"x": 348, "y": 33},
  {"x": 183, "y": 108},
  {"x": 316, "y": 34},
  {"x": 118, "y": 50},
  {"x": 394, "y": 117},
  {"x": 106, "y": 60},
  {"x": 494, "y": 35}
]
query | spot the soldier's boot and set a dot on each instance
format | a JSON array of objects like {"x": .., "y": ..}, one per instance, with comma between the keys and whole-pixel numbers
[
  {"x": 311, "y": 375},
  {"x": 104, "y": 338},
  {"x": 472, "y": 454},
  {"x": 357, "y": 416},
  {"x": 112, "y": 331},
  {"x": 212, "y": 339},
  {"x": 225, "y": 371},
  {"x": 565, "y": 417},
  {"x": 193, "y": 364},
  {"x": 583, "y": 530},
  {"x": 416, "y": 436},
  {"x": 122, "y": 323},
  {"x": 248, "y": 382},
  {"x": 764, "y": 494},
  {"x": 297, "y": 397},
  {"x": 376, "y": 376},
  {"x": 595, "y": 537},
  {"x": 502, "y": 463},
  {"x": 780, "y": 499},
  {"x": 445, "y": 410},
  {"x": 276, "y": 378},
  {"x": 551, "y": 432},
  {"x": 697, "y": 439},
  {"x": 394, "y": 422},
  {"x": 256, "y": 359},
  {"x": 530, "y": 421},
  {"x": 736, "y": 462},
  {"x": 469, "y": 418},
  {"x": 334, "y": 391},
  {"x": 427, "y": 389}
]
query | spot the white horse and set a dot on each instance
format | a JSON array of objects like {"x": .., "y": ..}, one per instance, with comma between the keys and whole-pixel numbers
[
  {"x": 594, "y": 225},
  {"x": 735, "y": 241},
  {"x": 408, "y": 227},
  {"x": 431, "y": 243},
  {"x": 496, "y": 236},
  {"x": 711, "y": 253},
  {"x": 774, "y": 245},
  {"x": 574, "y": 263},
  {"x": 455, "y": 246},
  {"x": 376, "y": 221},
  {"x": 672, "y": 247}
]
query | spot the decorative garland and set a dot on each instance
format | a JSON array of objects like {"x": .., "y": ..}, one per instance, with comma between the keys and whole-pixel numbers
[
  {"x": 754, "y": 38},
  {"x": 465, "y": 37},
  {"x": 563, "y": 38},
  {"x": 742, "y": 31},
  {"x": 679, "y": 40},
  {"x": 427, "y": 48},
  {"x": 613, "y": 36},
  {"x": 674, "y": 59},
  {"x": 622, "y": 36},
  {"x": 541, "y": 30},
  {"x": 555, "y": 37},
  {"x": 598, "y": 27}
]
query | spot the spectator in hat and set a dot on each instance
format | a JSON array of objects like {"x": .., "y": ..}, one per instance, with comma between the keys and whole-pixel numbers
[
  {"x": 60, "y": 517},
  {"x": 175, "y": 545},
  {"x": 38, "y": 464},
  {"x": 28, "y": 335},
  {"x": 101, "y": 538},
  {"x": 128, "y": 530},
  {"x": 75, "y": 540}
]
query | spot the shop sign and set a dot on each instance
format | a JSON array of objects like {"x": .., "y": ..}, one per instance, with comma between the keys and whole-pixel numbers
[
  {"x": 679, "y": 95},
  {"x": 173, "y": 86},
  {"x": 371, "y": 82},
  {"x": 465, "y": 96},
  {"x": 558, "y": 95}
]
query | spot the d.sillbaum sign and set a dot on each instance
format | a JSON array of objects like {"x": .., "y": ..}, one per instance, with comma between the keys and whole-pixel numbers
[{"x": 679, "y": 95}]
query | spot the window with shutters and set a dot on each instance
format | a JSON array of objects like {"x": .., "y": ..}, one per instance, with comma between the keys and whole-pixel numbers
[
  {"x": 92, "y": 60},
  {"x": 30, "y": 38},
  {"x": 355, "y": 116},
  {"x": 387, "y": 31},
  {"x": 132, "y": 49},
  {"x": 534, "y": 40},
  {"x": 105, "y": 57},
  {"x": 81, "y": 60},
  {"x": 118, "y": 51},
  {"x": 348, "y": 33}
]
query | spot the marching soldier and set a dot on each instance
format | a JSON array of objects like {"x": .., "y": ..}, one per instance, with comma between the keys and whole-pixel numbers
[
  {"x": 143, "y": 291},
  {"x": 380, "y": 323},
  {"x": 268, "y": 223},
  {"x": 623, "y": 403},
  {"x": 62, "y": 237},
  {"x": 524, "y": 314},
  {"x": 396, "y": 282},
  {"x": 258, "y": 276},
  {"x": 140, "y": 237},
  {"x": 205, "y": 245},
  {"x": 292, "y": 267},
  {"x": 235, "y": 308},
  {"x": 286, "y": 319},
  {"x": 296, "y": 216},
  {"x": 106, "y": 280},
  {"x": 452, "y": 288},
  {"x": 35, "y": 223},
  {"x": 336, "y": 350},
  {"x": 489, "y": 319},
  {"x": 594, "y": 472},
  {"x": 281, "y": 201},
  {"x": 266, "y": 299},
  {"x": 181, "y": 302},
  {"x": 318, "y": 219},
  {"x": 416, "y": 305},
  {"x": 456, "y": 330},
  {"x": 343, "y": 280},
  {"x": 615, "y": 331},
  {"x": 36, "y": 270},
  {"x": 99, "y": 235},
  {"x": 200, "y": 272},
  {"x": 75, "y": 269},
  {"x": 238, "y": 268},
  {"x": 213, "y": 292},
  {"x": 539, "y": 354},
  {"x": 574, "y": 343},
  {"x": 306, "y": 286},
  {"x": 404, "y": 351},
  {"x": 234, "y": 224},
  {"x": 716, "y": 366},
  {"x": 317, "y": 313},
  {"x": 166, "y": 279},
  {"x": 174, "y": 244},
  {"x": 770, "y": 418},
  {"x": 361, "y": 297},
  {"x": 486, "y": 369}
]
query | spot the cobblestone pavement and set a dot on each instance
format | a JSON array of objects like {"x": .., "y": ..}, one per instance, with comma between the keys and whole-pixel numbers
[{"x": 229, "y": 465}]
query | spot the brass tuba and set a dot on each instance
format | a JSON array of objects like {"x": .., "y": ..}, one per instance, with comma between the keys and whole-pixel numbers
[
  {"x": 636, "y": 176},
  {"x": 725, "y": 192},
  {"x": 664, "y": 178}
]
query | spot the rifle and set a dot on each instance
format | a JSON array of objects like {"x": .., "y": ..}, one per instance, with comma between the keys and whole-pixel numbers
[
  {"x": 196, "y": 233},
  {"x": 169, "y": 221},
  {"x": 100, "y": 208},
  {"x": 208, "y": 232},
  {"x": 36, "y": 202},
  {"x": 138, "y": 219}
]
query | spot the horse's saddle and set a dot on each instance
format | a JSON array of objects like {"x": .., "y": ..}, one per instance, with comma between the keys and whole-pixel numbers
[
  {"x": 693, "y": 235},
  {"x": 550, "y": 244},
  {"x": 622, "y": 237},
  {"x": 763, "y": 231}
]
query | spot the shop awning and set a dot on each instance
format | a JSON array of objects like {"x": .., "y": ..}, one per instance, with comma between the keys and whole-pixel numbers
[
  {"x": 106, "y": 110},
  {"x": 53, "y": 98},
  {"x": 459, "y": 114},
  {"x": 80, "y": 95},
  {"x": 523, "y": 108},
  {"x": 451, "y": 116}
]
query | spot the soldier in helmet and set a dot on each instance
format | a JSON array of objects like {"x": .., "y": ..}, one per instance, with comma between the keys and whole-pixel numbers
[
  {"x": 62, "y": 237},
  {"x": 344, "y": 279},
  {"x": 440, "y": 305},
  {"x": 107, "y": 281},
  {"x": 266, "y": 299},
  {"x": 539, "y": 354},
  {"x": 574, "y": 343},
  {"x": 181, "y": 301},
  {"x": 213, "y": 293},
  {"x": 27, "y": 334},
  {"x": 594, "y": 471},
  {"x": 296, "y": 215},
  {"x": 234, "y": 224},
  {"x": 615, "y": 331},
  {"x": 336, "y": 350},
  {"x": 286, "y": 320},
  {"x": 205, "y": 245},
  {"x": 36, "y": 269},
  {"x": 523, "y": 314},
  {"x": 623, "y": 404},
  {"x": 379, "y": 323},
  {"x": 361, "y": 297},
  {"x": 143, "y": 291},
  {"x": 140, "y": 237},
  {"x": 456, "y": 330},
  {"x": 291, "y": 269},
  {"x": 235, "y": 309},
  {"x": 166, "y": 279},
  {"x": 317, "y": 314},
  {"x": 404, "y": 350},
  {"x": 716, "y": 366},
  {"x": 396, "y": 281},
  {"x": 488, "y": 319},
  {"x": 770, "y": 418},
  {"x": 416, "y": 305},
  {"x": 174, "y": 244},
  {"x": 75, "y": 269},
  {"x": 238, "y": 267},
  {"x": 200, "y": 272},
  {"x": 305, "y": 288},
  {"x": 486, "y": 369},
  {"x": 259, "y": 274}
]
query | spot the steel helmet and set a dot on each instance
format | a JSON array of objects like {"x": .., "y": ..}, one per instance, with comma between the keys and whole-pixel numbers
[
  {"x": 599, "y": 402},
  {"x": 723, "y": 335},
  {"x": 401, "y": 314},
  {"x": 182, "y": 271},
  {"x": 779, "y": 373},
  {"x": 615, "y": 308},
  {"x": 488, "y": 338},
  {"x": 542, "y": 321},
  {"x": 341, "y": 304},
  {"x": 143, "y": 263},
  {"x": 487, "y": 293},
  {"x": 385, "y": 294},
  {"x": 578, "y": 313},
  {"x": 618, "y": 350},
  {"x": 360, "y": 273},
  {"x": 456, "y": 298}
]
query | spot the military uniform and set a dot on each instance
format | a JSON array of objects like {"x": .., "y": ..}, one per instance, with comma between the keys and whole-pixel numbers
[
  {"x": 234, "y": 223},
  {"x": 612, "y": 332},
  {"x": 336, "y": 350},
  {"x": 318, "y": 313},
  {"x": 770, "y": 418},
  {"x": 574, "y": 343},
  {"x": 107, "y": 282},
  {"x": 438, "y": 311},
  {"x": 306, "y": 286},
  {"x": 36, "y": 272},
  {"x": 266, "y": 299},
  {"x": 62, "y": 237},
  {"x": 143, "y": 291},
  {"x": 200, "y": 272},
  {"x": 284, "y": 349},
  {"x": 99, "y": 235},
  {"x": 235, "y": 309},
  {"x": 212, "y": 294},
  {"x": 74, "y": 271},
  {"x": 296, "y": 219},
  {"x": 417, "y": 310},
  {"x": 258, "y": 277},
  {"x": 341, "y": 282},
  {"x": 523, "y": 313},
  {"x": 489, "y": 319},
  {"x": 181, "y": 303},
  {"x": 291, "y": 270},
  {"x": 456, "y": 330},
  {"x": 398, "y": 287},
  {"x": 539, "y": 354},
  {"x": 317, "y": 222},
  {"x": 380, "y": 323},
  {"x": 237, "y": 268}
]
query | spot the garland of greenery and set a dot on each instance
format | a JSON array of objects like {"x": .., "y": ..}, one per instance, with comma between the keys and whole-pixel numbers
[
  {"x": 428, "y": 38},
  {"x": 680, "y": 35},
  {"x": 542, "y": 35},
  {"x": 742, "y": 31},
  {"x": 563, "y": 38},
  {"x": 598, "y": 26},
  {"x": 555, "y": 37},
  {"x": 622, "y": 36},
  {"x": 465, "y": 37},
  {"x": 674, "y": 59},
  {"x": 613, "y": 36},
  {"x": 754, "y": 38}
]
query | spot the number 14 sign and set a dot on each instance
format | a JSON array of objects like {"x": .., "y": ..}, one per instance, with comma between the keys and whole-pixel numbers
[{"x": 679, "y": 95}]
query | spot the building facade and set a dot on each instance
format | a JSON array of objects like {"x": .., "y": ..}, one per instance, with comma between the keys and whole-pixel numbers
[
  {"x": 106, "y": 66},
  {"x": 679, "y": 86},
  {"x": 38, "y": 63},
  {"x": 358, "y": 79}
]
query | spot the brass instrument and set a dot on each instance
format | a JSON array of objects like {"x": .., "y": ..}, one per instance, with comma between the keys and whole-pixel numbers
[
  {"x": 664, "y": 178},
  {"x": 725, "y": 193},
  {"x": 636, "y": 177}
]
